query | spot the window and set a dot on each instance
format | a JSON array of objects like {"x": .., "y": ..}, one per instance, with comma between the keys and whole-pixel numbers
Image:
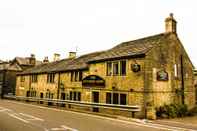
[
  {"x": 34, "y": 78},
  {"x": 80, "y": 75},
  {"x": 123, "y": 99},
  {"x": 76, "y": 76},
  {"x": 75, "y": 96},
  {"x": 108, "y": 98},
  {"x": 122, "y": 67},
  {"x": 22, "y": 78},
  {"x": 49, "y": 95},
  {"x": 51, "y": 78},
  {"x": 116, "y": 98},
  {"x": 71, "y": 95},
  {"x": 109, "y": 68},
  {"x": 71, "y": 76},
  {"x": 31, "y": 93},
  {"x": 116, "y": 68},
  {"x": 79, "y": 96}
]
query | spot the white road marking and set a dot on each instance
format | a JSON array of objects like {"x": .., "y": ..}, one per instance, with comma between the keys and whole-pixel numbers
[
  {"x": 156, "y": 126},
  {"x": 14, "y": 116},
  {"x": 31, "y": 117},
  {"x": 63, "y": 128},
  {"x": 19, "y": 116},
  {"x": 4, "y": 110},
  {"x": 177, "y": 122}
]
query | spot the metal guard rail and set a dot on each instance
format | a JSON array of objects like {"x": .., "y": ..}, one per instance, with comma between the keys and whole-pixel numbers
[{"x": 130, "y": 108}]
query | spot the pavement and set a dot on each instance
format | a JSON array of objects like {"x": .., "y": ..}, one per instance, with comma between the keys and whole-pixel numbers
[{"x": 18, "y": 116}]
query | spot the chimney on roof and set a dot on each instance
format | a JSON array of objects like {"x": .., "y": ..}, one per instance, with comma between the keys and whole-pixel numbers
[
  {"x": 56, "y": 57},
  {"x": 72, "y": 54},
  {"x": 32, "y": 60},
  {"x": 46, "y": 59},
  {"x": 170, "y": 24}
]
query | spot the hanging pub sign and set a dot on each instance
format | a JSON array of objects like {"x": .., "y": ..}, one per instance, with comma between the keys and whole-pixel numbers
[
  {"x": 135, "y": 67},
  {"x": 93, "y": 80},
  {"x": 162, "y": 75}
]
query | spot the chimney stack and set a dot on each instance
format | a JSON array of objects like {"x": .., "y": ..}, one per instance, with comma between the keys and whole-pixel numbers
[
  {"x": 32, "y": 60},
  {"x": 56, "y": 57},
  {"x": 170, "y": 24},
  {"x": 46, "y": 60},
  {"x": 72, "y": 54}
]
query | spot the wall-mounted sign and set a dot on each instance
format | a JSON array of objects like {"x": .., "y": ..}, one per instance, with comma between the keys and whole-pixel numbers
[
  {"x": 93, "y": 80},
  {"x": 162, "y": 75},
  {"x": 135, "y": 67}
]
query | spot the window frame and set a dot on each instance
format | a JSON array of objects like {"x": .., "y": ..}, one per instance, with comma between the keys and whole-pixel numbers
[
  {"x": 123, "y": 72},
  {"x": 51, "y": 78},
  {"x": 119, "y": 100}
]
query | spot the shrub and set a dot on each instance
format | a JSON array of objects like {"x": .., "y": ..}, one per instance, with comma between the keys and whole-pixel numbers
[{"x": 172, "y": 111}]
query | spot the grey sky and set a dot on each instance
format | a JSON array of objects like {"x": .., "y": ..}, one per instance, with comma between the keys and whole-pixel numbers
[{"x": 44, "y": 27}]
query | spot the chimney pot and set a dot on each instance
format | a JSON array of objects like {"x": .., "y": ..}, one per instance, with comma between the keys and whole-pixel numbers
[
  {"x": 32, "y": 60},
  {"x": 72, "y": 54},
  {"x": 56, "y": 57},
  {"x": 46, "y": 60}
]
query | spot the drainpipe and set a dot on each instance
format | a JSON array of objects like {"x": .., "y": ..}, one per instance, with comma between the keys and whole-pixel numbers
[
  {"x": 182, "y": 82},
  {"x": 58, "y": 86},
  {"x": 145, "y": 92}
]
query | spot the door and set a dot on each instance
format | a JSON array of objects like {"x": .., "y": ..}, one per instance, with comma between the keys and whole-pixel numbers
[
  {"x": 41, "y": 97},
  {"x": 63, "y": 97},
  {"x": 95, "y": 99}
]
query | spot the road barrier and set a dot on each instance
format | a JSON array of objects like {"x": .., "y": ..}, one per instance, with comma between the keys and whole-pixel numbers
[{"x": 129, "y": 108}]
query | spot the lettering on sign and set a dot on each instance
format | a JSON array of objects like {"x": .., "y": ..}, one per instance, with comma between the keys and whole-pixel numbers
[{"x": 93, "y": 80}]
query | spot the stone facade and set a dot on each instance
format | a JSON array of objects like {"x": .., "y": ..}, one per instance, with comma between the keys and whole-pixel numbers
[
  {"x": 8, "y": 71},
  {"x": 148, "y": 72}
]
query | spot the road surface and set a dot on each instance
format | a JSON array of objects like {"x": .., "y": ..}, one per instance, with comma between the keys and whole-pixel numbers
[{"x": 18, "y": 116}]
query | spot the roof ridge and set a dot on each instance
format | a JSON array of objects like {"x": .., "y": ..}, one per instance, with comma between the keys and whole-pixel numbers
[{"x": 142, "y": 38}]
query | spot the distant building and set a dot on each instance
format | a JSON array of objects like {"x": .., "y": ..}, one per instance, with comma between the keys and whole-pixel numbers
[
  {"x": 148, "y": 72},
  {"x": 8, "y": 72},
  {"x": 195, "y": 82}
]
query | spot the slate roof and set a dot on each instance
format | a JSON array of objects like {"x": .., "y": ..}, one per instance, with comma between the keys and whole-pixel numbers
[
  {"x": 79, "y": 63},
  {"x": 25, "y": 61},
  {"x": 8, "y": 66},
  {"x": 133, "y": 48}
]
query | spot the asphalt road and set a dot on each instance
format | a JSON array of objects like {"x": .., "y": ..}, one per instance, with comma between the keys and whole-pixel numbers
[{"x": 17, "y": 116}]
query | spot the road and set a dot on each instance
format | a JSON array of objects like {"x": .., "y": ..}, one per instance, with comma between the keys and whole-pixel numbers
[{"x": 17, "y": 116}]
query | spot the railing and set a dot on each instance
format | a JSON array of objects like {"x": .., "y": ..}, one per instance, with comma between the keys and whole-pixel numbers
[{"x": 129, "y": 108}]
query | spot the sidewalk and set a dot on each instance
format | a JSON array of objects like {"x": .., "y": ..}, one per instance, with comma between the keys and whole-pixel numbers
[{"x": 185, "y": 122}]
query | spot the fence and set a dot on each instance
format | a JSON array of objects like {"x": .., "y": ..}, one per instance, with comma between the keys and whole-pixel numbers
[{"x": 129, "y": 108}]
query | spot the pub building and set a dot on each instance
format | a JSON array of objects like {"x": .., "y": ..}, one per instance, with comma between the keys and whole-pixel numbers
[{"x": 147, "y": 72}]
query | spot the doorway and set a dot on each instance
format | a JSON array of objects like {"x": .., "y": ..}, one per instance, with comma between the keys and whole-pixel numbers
[
  {"x": 41, "y": 97},
  {"x": 63, "y": 97},
  {"x": 95, "y": 99}
]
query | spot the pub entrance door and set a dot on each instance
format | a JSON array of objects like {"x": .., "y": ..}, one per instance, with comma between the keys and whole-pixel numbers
[
  {"x": 63, "y": 97},
  {"x": 95, "y": 99},
  {"x": 41, "y": 97}
]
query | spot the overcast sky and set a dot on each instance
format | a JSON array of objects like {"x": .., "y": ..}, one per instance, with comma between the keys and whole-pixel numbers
[{"x": 45, "y": 27}]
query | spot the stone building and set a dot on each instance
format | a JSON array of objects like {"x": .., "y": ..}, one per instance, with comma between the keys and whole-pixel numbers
[
  {"x": 8, "y": 72},
  {"x": 148, "y": 72},
  {"x": 195, "y": 82}
]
